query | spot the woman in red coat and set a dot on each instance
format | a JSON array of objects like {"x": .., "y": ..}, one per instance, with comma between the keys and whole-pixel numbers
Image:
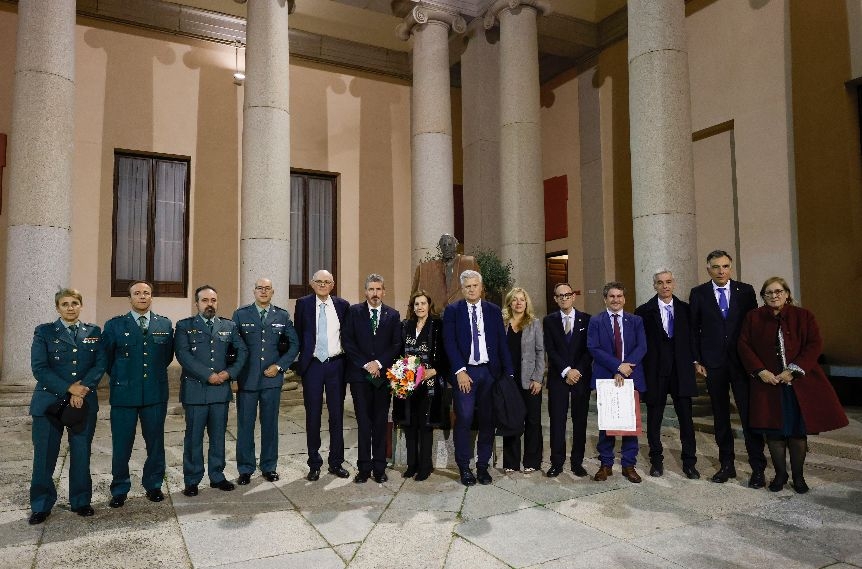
[{"x": 790, "y": 395}]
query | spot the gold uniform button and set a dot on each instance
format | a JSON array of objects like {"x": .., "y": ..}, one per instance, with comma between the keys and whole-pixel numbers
[
  {"x": 74, "y": 349},
  {"x": 74, "y": 373},
  {"x": 75, "y": 362},
  {"x": 145, "y": 365},
  {"x": 145, "y": 353},
  {"x": 261, "y": 358},
  {"x": 145, "y": 376}
]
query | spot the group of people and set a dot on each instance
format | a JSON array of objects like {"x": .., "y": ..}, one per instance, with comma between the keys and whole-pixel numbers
[{"x": 766, "y": 356}]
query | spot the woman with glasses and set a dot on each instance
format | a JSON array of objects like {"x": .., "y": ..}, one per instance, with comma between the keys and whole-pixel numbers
[{"x": 790, "y": 396}]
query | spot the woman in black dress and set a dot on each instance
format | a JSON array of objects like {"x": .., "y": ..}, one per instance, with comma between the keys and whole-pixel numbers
[{"x": 422, "y": 335}]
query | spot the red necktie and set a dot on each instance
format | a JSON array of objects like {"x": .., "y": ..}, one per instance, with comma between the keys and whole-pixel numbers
[{"x": 618, "y": 338}]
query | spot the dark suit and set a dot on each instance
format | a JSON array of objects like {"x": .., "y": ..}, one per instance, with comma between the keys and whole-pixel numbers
[
  {"x": 318, "y": 376},
  {"x": 255, "y": 389},
  {"x": 714, "y": 342},
  {"x": 457, "y": 337},
  {"x": 600, "y": 342},
  {"x": 57, "y": 361},
  {"x": 138, "y": 368},
  {"x": 201, "y": 353},
  {"x": 567, "y": 352},
  {"x": 668, "y": 369},
  {"x": 371, "y": 402}
]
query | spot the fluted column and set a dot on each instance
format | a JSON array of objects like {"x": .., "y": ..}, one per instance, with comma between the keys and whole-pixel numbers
[
  {"x": 431, "y": 126},
  {"x": 39, "y": 244},
  {"x": 265, "y": 231},
  {"x": 663, "y": 206},
  {"x": 521, "y": 187}
]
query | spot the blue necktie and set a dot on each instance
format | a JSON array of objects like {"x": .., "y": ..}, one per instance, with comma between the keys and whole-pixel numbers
[
  {"x": 374, "y": 321},
  {"x": 722, "y": 302},
  {"x": 669, "y": 321},
  {"x": 475, "y": 326},
  {"x": 321, "y": 344}
]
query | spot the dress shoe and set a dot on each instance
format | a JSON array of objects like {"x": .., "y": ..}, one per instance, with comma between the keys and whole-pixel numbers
[
  {"x": 420, "y": 476},
  {"x": 223, "y": 485},
  {"x": 339, "y": 471},
  {"x": 800, "y": 486},
  {"x": 85, "y": 511},
  {"x": 409, "y": 473},
  {"x": 757, "y": 480},
  {"x": 690, "y": 472},
  {"x": 37, "y": 518},
  {"x": 778, "y": 482},
  {"x": 379, "y": 478},
  {"x": 554, "y": 471},
  {"x": 361, "y": 477},
  {"x": 529, "y": 470},
  {"x": 313, "y": 475},
  {"x": 579, "y": 471},
  {"x": 631, "y": 474},
  {"x": 724, "y": 474},
  {"x": 483, "y": 477},
  {"x": 155, "y": 495},
  {"x": 190, "y": 490},
  {"x": 118, "y": 501},
  {"x": 271, "y": 476},
  {"x": 467, "y": 478},
  {"x": 603, "y": 473},
  {"x": 243, "y": 479},
  {"x": 656, "y": 469}
]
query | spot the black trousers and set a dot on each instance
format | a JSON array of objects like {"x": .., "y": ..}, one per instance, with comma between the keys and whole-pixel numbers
[
  {"x": 532, "y": 436},
  {"x": 371, "y": 405},
  {"x": 655, "y": 414},
  {"x": 419, "y": 441},
  {"x": 720, "y": 382},
  {"x": 562, "y": 398}
]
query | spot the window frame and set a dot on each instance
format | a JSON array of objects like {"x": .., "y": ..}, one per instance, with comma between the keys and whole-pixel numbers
[{"x": 300, "y": 290}]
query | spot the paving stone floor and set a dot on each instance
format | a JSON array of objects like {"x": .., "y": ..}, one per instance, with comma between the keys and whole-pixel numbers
[{"x": 521, "y": 520}]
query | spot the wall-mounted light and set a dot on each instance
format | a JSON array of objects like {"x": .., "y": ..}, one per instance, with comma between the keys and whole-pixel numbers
[{"x": 238, "y": 76}]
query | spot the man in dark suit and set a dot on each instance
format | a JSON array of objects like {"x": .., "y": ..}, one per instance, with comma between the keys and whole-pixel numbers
[
  {"x": 139, "y": 346},
  {"x": 203, "y": 343},
  {"x": 569, "y": 370},
  {"x": 475, "y": 341},
  {"x": 617, "y": 341},
  {"x": 319, "y": 320},
  {"x": 718, "y": 309},
  {"x": 273, "y": 344},
  {"x": 372, "y": 340},
  {"x": 668, "y": 370}
]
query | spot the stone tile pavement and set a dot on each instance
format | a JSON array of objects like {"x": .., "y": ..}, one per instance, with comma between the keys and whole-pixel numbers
[{"x": 521, "y": 520}]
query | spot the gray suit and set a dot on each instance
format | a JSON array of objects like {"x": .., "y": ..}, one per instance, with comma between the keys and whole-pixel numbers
[{"x": 532, "y": 368}]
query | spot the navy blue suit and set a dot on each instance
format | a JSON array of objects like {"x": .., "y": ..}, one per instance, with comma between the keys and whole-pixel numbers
[
  {"x": 138, "y": 368},
  {"x": 57, "y": 361},
  {"x": 257, "y": 390},
  {"x": 371, "y": 402},
  {"x": 600, "y": 342},
  {"x": 317, "y": 377},
  {"x": 457, "y": 337},
  {"x": 201, "y": 353}
]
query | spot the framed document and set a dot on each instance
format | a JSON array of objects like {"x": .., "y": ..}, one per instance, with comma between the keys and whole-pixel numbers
[{"x": 618, "y": 408}]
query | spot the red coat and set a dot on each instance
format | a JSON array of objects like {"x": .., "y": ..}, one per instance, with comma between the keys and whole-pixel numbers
[{"x": 818, "y": 402}]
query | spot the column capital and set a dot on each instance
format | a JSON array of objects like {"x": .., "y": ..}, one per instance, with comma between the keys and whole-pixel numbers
[
  {"x": 422, "y": 14},
  {"x": 543, "y": 7}
]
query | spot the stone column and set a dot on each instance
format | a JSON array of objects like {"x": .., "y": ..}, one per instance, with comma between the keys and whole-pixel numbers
[
  {"x": 431, "y": 126},
  {"x": 663, "y": 207},
  {"x": 265, "y": 230},
  {"x": 39, "y": 242},
  {"x": 521, "y": 183}
]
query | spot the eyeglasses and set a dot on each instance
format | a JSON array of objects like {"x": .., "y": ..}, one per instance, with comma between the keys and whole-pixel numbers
[
  {"x": 778, "y": 292},
  {"x": 263, "y": 288},
  {"x": 323, "y": 283},
  {"x": 565, "y": 295}
]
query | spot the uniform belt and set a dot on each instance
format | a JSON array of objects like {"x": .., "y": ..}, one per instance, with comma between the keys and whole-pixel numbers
[{"x": 331, "y": 358}]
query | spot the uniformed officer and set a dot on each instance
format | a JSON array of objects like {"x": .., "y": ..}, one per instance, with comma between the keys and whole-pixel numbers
[
  {"x": 272, "y": 343},
  {"x": 67, "y": 360},
  {"x": 202, "y": 345},
  {"x": 139, "y": 346}
]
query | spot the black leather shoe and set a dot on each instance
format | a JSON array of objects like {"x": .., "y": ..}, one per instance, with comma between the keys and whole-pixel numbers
[
  {"x": 757, "y": 480},
  {"x": 778, "y": 482},
  {"x": 483, "y": 477},
  {"x": 724, "y": 474},
  {"x": 579, "y": 471},
  {"x": 380, "y": 478},
  {"x": 243, "y": 479},
  {"x": 190, "y": 490},
  {"x": 223, "y": 485},
  {"x": 420, "y": 476},
  {"x": 409, "y": 473},
  {"x": 656, "y": 469},
  {"x": 118, "y": 501},
  {"x": 554, "y": 471},
  {"x": 361, "y": 477},
  {"x": 85, "y": 511},
  {"x": 691, "y": 472},
  {"x": 271, "y": 476},
  {"x": 339, "y": 471},
  {"x": 37, "y": 518},
  {"x": 313, "y": 475},
  {"x": 800, "y": 486},
  {"x": 467, "y": 478},
  {"x": 155, "y": 495}
]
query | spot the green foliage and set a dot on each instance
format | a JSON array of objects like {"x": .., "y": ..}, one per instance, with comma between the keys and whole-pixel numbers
[{"x": 496, "y": 275}]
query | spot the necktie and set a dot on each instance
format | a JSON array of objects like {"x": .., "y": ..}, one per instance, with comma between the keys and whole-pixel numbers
[
  {"x": 142, "y": 322},
  {"x": 73, "y": 330},
  {"x": 618, "y": 338},
  {"x": 474, "y": 321},
  {"x": 567, "y": 325},
  {"x": 669, "y": 321},
  {"x": 321, "y": 344},
  {"x": 722, "y": 302},
  {"x": 374, "y": 320},
  {"x": 262, "y": 316},
  {"x": 210, "y": 326}
]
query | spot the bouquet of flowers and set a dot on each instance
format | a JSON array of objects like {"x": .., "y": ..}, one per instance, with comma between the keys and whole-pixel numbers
[{"x": 404, "y": 375}]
